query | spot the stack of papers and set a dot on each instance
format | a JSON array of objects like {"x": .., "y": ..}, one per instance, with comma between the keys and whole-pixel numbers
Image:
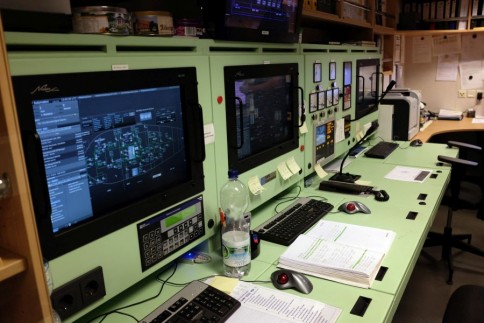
[
  {"x": 345, "y": 253},
  {"x": 450, "y": 115}
]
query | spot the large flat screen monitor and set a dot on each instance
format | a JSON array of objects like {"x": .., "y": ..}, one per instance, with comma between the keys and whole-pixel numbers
[
  {"x": 105, "y": 149},
  {"x": 262, "y": 113},
  {"x": 253, "y": 20}
]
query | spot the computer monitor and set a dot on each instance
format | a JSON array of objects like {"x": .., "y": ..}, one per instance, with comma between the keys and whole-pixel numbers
[
  {"x": 106, "y": 149},
  {"x": 367, "y": 86},
  {"x": 261, "y": 113},
  {"x": 262, "y": 21}
]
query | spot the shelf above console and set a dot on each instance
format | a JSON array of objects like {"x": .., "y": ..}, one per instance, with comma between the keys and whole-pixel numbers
[{"x": 10, "y": 264}]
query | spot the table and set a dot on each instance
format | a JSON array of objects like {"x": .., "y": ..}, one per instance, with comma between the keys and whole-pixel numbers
[
  {"x": 409, "y": 212},
  {"x": 446, "y": 126}
]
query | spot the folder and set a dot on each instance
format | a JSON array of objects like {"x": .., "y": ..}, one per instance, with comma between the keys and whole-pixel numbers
[
  {"x": 463, "y": 10},
  {"x": 475, "y": 7},
  {"x": 426, "y": 11},
  {"x": 447, "y": 8},
  {"x": 453, "y": 9},
  {"x": 439, "y": 13},
  {"x": 433, "y": 5}
]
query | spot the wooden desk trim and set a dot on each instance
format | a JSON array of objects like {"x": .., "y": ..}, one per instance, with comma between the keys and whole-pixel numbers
[{"x": 444, "y": 126}]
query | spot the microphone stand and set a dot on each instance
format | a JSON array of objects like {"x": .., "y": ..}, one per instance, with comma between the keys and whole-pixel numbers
[{"x": 351, "y": 178}]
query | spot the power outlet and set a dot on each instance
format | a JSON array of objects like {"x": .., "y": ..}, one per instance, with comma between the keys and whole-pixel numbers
[
  {"x": 471, "y": 93},
  {"x": 461, "y": 94},
  {"x": 91, "y": 285},
  {"x": 479, "y": 95},
  {"x": 79, "y": 293},
  {"x": 66, "y": 300}
]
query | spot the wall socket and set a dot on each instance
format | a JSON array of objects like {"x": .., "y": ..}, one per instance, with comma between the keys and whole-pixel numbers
[
  {"x": 461, "y": 94},
  {"x": 79, "y": 293},
  {"x": 471, "y": 93}
]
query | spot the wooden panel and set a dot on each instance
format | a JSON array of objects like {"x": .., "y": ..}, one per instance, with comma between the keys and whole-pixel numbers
[{"x": 24, "y": 296}]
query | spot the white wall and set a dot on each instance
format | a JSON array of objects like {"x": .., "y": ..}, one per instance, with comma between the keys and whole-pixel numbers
[{"x": 437, "y": 94}]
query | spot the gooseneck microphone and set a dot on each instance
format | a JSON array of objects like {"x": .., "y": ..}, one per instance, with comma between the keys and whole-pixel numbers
[
  {"x": 347, "y": 177},
  {"x": 351, "y": 178},
  {"x": 388, "y": 89}
]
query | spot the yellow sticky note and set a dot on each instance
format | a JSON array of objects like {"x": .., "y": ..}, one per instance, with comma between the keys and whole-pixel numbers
[
  {"x": 293, "y": 166},
  {"x": 284, "y": 171},
  {"x": 320, "y": 171},
  {"x": 254, "y": 185},
  {"x": 225, "y": 284},
  {"x": 303, "y": 129}
]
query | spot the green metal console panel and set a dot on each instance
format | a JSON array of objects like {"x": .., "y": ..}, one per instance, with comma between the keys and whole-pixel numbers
[
  {"x": 117, "y": 253},
  {"x": 318, "y": 114},
  {"x": 230, "y": 54}
]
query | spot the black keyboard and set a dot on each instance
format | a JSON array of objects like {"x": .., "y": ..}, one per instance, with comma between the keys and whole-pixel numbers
[
  {"x": 343, "y": 187},
  {"x": 381, "y": 150},
  {"x": 297, "y": 218},
  {"x": 196, "y": 302}
]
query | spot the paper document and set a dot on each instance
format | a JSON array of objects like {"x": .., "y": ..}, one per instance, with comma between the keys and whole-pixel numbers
[
  {"x": 409, "y": 174},
  {"x": 345, "y": 253},
  {"x": 478, "y": 120},
  {"x": 262, "y": 304},
  {"x": 447, "y": 67},
  {"x": 353, "y": 235},
  {"x": 445, "y": 114},
  {"x": 333, "y": 261}
]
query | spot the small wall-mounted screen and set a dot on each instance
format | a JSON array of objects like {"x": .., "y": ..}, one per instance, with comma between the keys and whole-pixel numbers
[
  {"x": 262, "y": 113},
  {"x": 323, "y": 141},
  {"x": 367, "y": 86}
]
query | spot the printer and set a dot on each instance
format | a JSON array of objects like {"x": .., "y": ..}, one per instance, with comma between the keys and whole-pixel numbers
[{"x": 399, "y": 115}]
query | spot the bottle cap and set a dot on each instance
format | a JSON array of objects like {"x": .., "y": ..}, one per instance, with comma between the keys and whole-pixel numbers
[{"x": 233, "y": 173}]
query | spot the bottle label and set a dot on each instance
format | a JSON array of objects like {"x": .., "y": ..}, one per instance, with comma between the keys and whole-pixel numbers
[{"x": 236, "y": 248}]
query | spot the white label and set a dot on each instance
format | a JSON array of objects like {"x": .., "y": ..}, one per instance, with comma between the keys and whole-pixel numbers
[
  {"x": 120, "y": 67},
  {"x": 236, "y": 248}
]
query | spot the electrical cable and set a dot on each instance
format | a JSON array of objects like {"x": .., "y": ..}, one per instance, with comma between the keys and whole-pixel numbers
[{"x": 117, "y": 310}]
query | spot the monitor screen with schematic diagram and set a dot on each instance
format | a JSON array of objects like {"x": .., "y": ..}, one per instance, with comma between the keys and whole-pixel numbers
[{"x": 103, "y": 153}]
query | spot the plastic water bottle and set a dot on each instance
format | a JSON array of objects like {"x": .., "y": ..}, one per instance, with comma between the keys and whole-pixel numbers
[{"x": 234, "y": 200}]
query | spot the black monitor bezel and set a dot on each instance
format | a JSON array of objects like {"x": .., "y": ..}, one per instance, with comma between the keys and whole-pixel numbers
[
  {"x": 78, "y": 83},
  {"x": 366, "y": 107},
  {"x": 234, "y": 73},
  {"x": 214, "y": 14}
]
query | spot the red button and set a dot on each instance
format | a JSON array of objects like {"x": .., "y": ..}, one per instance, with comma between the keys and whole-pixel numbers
[
  {"x": 350, "y": 207},
  {"x": 282, "y": 279}
]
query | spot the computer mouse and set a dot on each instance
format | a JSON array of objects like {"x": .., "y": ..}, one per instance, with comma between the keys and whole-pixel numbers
[
  {"x": 416, "y": 143},
  {"x": 285, "y": 278},
  {"x": 351, "y": 207}
]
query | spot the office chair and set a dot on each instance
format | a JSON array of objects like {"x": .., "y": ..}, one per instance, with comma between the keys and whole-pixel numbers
[
  {"x": 447, "y": 239},
  {"x": 465, "y": 305}
]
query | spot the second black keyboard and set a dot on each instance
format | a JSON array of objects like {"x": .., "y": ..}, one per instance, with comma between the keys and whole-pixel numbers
[
  {"x": 381, "y": 150},
  {"x": 196, "y": 302},
  {"x": 297, "y": 218}
]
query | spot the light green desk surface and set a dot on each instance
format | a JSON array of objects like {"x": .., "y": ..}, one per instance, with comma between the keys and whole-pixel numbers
[
  {"x": 406, "y": 198},
  {"x": 424, "y": 156},
  {"x": 150, "y": 287},
  {"x": 344, "y": 297}
]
